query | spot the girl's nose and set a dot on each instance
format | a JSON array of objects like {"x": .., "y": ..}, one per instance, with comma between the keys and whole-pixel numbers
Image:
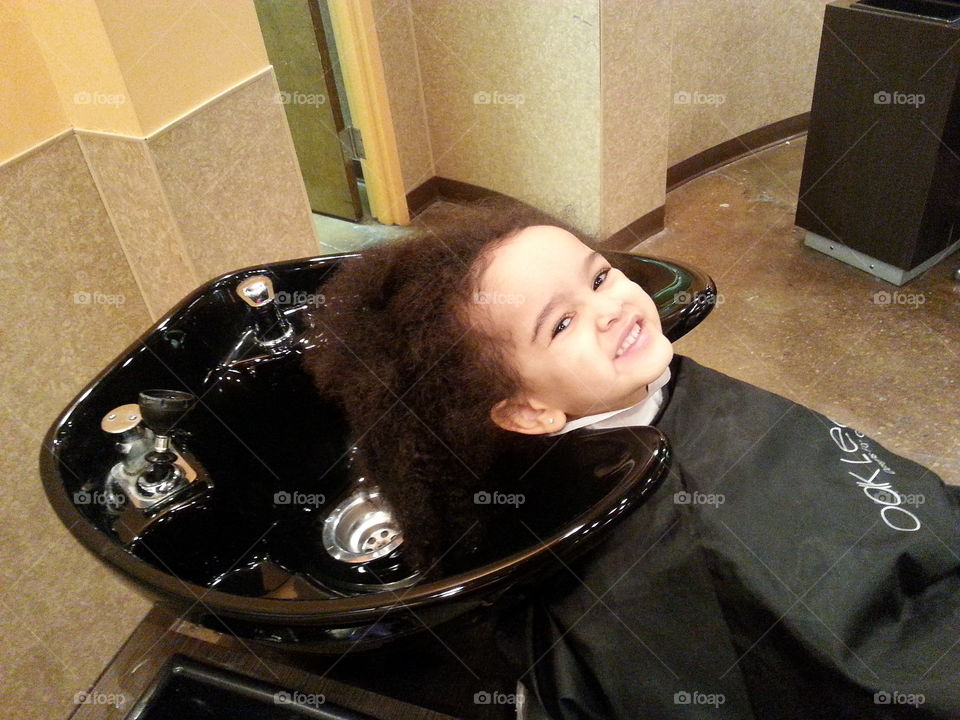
[{"x": 609, "y": 311}]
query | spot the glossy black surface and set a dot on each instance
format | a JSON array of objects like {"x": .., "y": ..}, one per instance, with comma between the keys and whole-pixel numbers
[
  {"x": 277, "y": 456},
  {"x": 188, "y": 690},
  {"x": 939, "y": 10},
  {"x": 881, "y": 166}
]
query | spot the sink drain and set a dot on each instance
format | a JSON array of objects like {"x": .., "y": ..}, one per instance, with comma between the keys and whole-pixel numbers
[{"x": 361, "y": 528}]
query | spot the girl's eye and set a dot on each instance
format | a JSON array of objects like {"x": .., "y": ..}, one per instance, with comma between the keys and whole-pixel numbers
[
  {"x": 599, "y": 279},
  {"x": 597, "y": 282},
  {"x": 560, "y": 326}
]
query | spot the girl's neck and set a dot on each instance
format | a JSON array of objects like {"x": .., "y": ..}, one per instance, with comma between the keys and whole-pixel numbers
[{"x": 632, "y": 400}]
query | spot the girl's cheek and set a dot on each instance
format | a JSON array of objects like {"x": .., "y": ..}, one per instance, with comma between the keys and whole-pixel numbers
[
  {"x": 632, "y": 290},
  {"x": 642, "y": 292}
]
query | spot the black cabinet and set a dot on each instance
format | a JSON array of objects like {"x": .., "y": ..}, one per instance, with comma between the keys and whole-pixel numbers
[{"x": 880, "y": 188}]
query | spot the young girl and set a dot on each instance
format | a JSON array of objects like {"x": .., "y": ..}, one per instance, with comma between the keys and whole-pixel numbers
[{"x": 789, "y": 567}]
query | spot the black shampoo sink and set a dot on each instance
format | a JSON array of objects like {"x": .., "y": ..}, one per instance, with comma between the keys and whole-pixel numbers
[{"x": 256, "y": 539}]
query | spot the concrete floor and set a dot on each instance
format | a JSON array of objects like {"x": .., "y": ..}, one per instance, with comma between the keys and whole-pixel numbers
[
  {"x": 808, "y": 327},
  {"x": 336, "y": 236}
]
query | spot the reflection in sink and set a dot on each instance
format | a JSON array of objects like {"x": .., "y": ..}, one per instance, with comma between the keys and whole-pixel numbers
[
  {"x": 280, "y": 461},
  {"x": 939, "y": 10}
]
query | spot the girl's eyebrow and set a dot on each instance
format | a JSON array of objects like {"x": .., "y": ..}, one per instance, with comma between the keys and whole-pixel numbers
[{"x": 587, "y": 262}]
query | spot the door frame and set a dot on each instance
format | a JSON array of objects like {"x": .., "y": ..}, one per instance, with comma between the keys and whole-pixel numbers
[{"x": 358, "y": 49}]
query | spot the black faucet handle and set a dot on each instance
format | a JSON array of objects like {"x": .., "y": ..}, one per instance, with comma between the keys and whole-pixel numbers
[{"x": 162, "y": 409}]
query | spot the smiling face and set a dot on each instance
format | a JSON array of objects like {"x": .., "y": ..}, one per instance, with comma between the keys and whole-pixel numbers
[{"x": 583, "y": 337}]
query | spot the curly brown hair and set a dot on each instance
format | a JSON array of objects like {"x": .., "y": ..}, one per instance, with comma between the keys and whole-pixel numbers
[{"x": 416, "y": 374}]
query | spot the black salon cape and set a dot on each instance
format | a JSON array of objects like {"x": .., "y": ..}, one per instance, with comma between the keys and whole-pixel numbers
[{"x": 795, "y": 595}]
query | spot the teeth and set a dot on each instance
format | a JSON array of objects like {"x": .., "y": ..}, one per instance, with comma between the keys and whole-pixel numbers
[{"x": 629, "y": 340}]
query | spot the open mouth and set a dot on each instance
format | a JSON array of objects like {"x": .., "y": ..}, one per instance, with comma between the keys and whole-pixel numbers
[{"x": 630, "y": 340}]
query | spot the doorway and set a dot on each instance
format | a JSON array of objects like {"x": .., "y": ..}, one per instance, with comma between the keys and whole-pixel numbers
[
  {"x": 299, "y": 48},
  {"x": 329, "y": 70}
]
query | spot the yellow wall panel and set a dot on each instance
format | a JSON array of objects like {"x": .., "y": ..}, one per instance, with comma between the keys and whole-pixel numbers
[
  {"x": 175, "y": 55},
  {"x": 30, "y": 109},
  {"x": 82, "y": 65}
]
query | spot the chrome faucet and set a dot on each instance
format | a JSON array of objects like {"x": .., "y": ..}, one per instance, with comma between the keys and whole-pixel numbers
[
  {"x": 270, "y": 325},
  {"x": 269, "y": 334},
  {"x": 151, "y": 472},
  {"x": 134, "y": 440}
]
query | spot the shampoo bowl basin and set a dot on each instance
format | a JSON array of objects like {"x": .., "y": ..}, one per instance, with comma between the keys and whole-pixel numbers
[{"x": 245, "y": 550}]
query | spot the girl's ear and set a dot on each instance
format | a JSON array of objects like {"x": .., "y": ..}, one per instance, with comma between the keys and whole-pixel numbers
[{"x": 518, "y": 415}]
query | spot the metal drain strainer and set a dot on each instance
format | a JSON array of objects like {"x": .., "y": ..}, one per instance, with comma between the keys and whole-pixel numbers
[{"x": 361, "y": 528}]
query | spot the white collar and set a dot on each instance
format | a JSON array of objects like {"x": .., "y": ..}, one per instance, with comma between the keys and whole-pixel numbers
[{"x": 641, "y": 413}]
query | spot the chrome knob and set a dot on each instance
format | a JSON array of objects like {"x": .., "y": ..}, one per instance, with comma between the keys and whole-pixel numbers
[
  {"x": 121, "y": 419},
  {"x": 256, "y": 291}
]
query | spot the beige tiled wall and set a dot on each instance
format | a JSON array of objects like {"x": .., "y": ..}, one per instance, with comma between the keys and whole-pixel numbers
[
  {"x": 100, "y": 235},
  {"x": 126, "y": 175},
  {"x": 401, "y": 66},
  {"x": 216, "y": 191},
  {"x": 231, "y": 176},
  {"x": 72, "y": 305},
  {"x": 599, "y": 126},
  {"x": 636, "y": 54},
  {"x": 543, "y": 148},
  {"x": 760, "y": 56}
]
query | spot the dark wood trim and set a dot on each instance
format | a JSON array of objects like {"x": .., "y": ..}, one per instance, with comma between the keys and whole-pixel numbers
[
  {"x": 736, "y": 148},
  {"x": 421, "y": 196},
  {"x": 653, "y": 222},
  {"x": 437, "y": 188},
  {"x": 161, "y": 635},
  {"x": 637, "y": 231},
  {"x": 456, "y": 190}
]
